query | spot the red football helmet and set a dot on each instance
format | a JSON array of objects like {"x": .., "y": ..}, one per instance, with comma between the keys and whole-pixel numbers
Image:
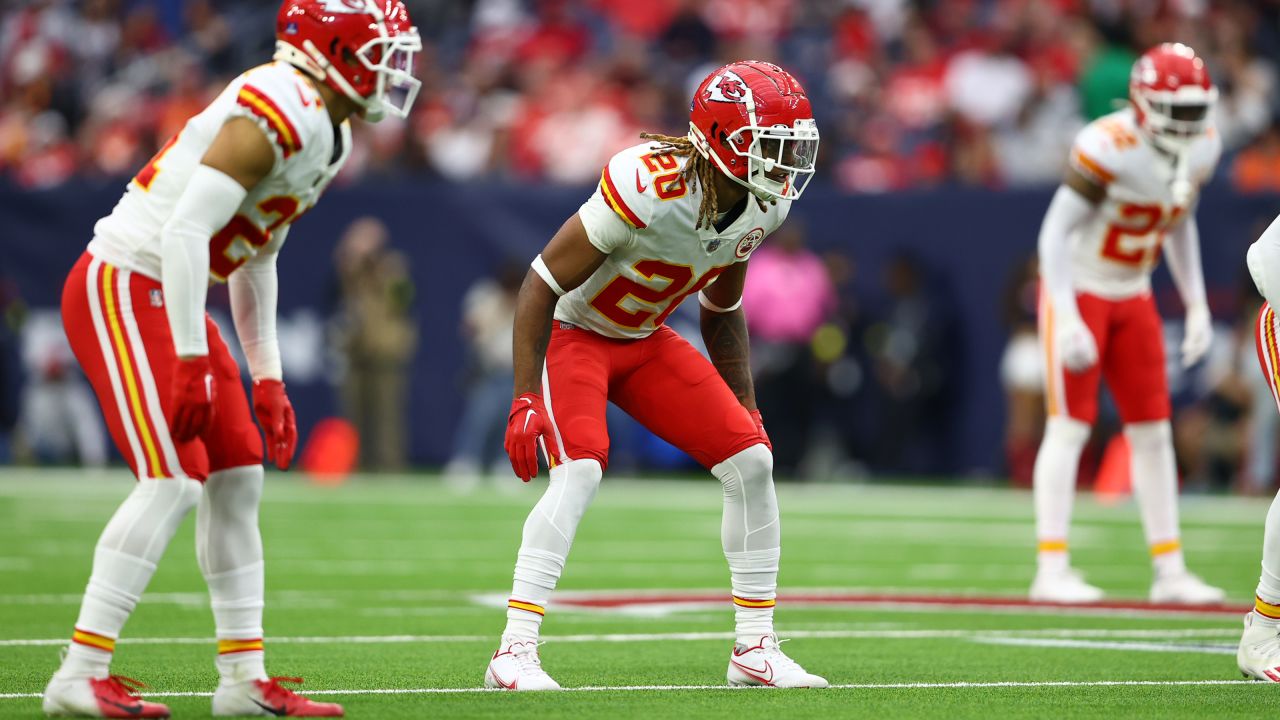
[
  {"x": 753, "y": 120},
  {"x": 1172, "y": 95},
  {"x": 361, "y": 48}
]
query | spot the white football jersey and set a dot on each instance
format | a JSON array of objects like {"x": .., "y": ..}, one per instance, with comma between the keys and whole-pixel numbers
[
  {"x": 643, "y": 216},
  {"x": 1116, "y": 251},
  {"x": 289, "y": 110}
]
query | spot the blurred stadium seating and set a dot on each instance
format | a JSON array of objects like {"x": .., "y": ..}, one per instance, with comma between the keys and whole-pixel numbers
[{"x": 944, "y": 125}]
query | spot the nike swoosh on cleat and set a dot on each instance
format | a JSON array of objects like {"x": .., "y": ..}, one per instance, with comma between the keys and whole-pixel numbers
[
  {"x": 135, "y": 709},
  {"x": 498, "y": 679},
  {"x": 277, "y": 711},
  {"x": 640, "y": 188},
  {"x": 757, "y": 673}
]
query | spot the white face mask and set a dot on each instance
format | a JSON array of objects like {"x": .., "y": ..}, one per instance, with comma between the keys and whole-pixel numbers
[
  {"x": 397, "y": 88},
  {"x": 780, "y": 159},
  {"x": 1175, "y": 120}
]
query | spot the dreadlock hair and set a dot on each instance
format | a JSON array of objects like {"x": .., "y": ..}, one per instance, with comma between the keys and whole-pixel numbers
[{"x": 698, "y": 168}]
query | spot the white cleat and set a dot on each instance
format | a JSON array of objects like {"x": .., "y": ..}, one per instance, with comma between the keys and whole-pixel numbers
[
  {"x": 1259, "y": 654},
  {"x": 109, "y": 697},
  {"x": 516, "y": 666},
  {"x": 764, "y": 664},
  {"x": 1063, "y": 586},
  {"x": 1185, "y": 588}
]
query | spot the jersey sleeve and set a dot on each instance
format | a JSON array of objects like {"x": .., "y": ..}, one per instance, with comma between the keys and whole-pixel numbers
[
  {"x": 1098, "y": 147},
  {"x": 284, "y": 105},
  {"x": 605, "y": 229},
  {"x": 1212, "y": 154},
  {"x": 621, "y": 204}
]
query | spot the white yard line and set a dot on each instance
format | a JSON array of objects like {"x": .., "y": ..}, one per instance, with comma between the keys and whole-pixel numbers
[
  {"x": 682, "y": 637},
  {"x": 645, "y": 688},
  {"x": 1108, "y": 645}
]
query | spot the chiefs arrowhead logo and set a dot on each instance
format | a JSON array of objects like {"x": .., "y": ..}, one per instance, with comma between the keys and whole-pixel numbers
[
  {"x": 749, "y": 242},
  {"x": 727, "y": 87}
]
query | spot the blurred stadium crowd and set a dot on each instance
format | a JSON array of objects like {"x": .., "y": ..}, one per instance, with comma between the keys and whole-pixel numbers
[
  {"x": 858, "y": 375},
  {"x": 910, "y": 93}
]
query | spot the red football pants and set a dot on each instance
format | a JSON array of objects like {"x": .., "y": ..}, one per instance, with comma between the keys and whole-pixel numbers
[
  {"x": 116, "y": 323},
  {"x": 1130, "y": 342},
  {"x": 1265, "y": 332},
  {"x": 660, "y": 380}
]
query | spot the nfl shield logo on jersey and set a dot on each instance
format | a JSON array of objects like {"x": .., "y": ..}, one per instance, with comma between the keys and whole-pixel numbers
[{"x": 157, "y": 298}]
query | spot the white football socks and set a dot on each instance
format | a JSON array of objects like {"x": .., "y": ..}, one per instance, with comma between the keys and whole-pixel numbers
[
  {"x": 752, "y": 539},
  {"x": 1267, "y": 602},
  {"x": 229, "y": 551},
  {"x": 123, "y": 562},
  {"x": 1155, "y": 486},
  {"x": 1054, "y": 480},
  {"x": 548, "y": 535}
]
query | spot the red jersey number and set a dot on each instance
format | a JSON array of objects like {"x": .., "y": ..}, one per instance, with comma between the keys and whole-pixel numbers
[
  {"x": 668, "y": 181},
  {"x": 1123, "y": 243},
  {"x": 680, "y": 284},
  {"x": 241, "y": 239},
  {"x": 147, "y": 174}
]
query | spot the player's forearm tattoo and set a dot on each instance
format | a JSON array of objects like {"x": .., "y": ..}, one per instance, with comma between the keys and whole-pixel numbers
[{"x": 725, "y": 335}]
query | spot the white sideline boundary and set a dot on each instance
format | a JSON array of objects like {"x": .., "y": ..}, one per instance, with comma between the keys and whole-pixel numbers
[
  {"x": 963, "y": 685},
  {"x": 1044, "y": 642},
  {"x": 1146, "y": 633}
]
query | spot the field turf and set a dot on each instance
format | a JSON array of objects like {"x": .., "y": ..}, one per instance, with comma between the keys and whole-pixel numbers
[{"x": 385, "y": 594}]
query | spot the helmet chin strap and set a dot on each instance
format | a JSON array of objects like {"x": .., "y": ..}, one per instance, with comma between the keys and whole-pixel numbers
[
  {"x": 295, "y": 57},
  {"x": 1182, "y": 188}
]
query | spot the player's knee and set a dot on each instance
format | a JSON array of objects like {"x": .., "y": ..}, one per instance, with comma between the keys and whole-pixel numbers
[
  {"x": 580, "y": 476},
  {"x": 1067, "y": 430},
  {"x": 1148, "y": 434},
  {"x": 150, "y": 515},
  {"x": 750, "y": 468},
  {"x": 235, "y": 490},
  {"x": 171, "y": 497}
]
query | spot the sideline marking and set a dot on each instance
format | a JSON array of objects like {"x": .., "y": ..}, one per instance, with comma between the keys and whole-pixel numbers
[
  {"x": 665, "y": 602},
  {"x": 642, "y": 688},
  {"x": 1108, "y": 645},
  {"x": 683, "y": 637}
]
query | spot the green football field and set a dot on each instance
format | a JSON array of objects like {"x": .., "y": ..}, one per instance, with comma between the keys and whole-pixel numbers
[{"x": 386, "y": 594}]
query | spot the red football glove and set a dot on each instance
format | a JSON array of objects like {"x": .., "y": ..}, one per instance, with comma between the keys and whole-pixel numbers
[
  {"x": 193, "y": 395},
  {"x": 755, "y": 415},
  {"x": 525, "y": 425},
  {"x": 275, "y": 415}
]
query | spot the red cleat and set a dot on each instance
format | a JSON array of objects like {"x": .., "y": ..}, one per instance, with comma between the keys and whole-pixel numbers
[
  {"x": 111, "y": 697},
  {"x": 268, "y": 698}
]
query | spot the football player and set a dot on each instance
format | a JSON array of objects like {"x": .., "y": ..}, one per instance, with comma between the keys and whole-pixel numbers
[
  {"x": 214, "y": 204},
  {"x": 1130, "y": 191},
  {"x": 672, "y": 218},
  {"x": 1259, "y": 654}
]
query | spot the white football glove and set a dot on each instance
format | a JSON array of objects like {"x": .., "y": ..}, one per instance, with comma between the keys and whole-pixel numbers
[
  {"x": 1076, "y": 345},
  {"x": 1197, "y": 335}
]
